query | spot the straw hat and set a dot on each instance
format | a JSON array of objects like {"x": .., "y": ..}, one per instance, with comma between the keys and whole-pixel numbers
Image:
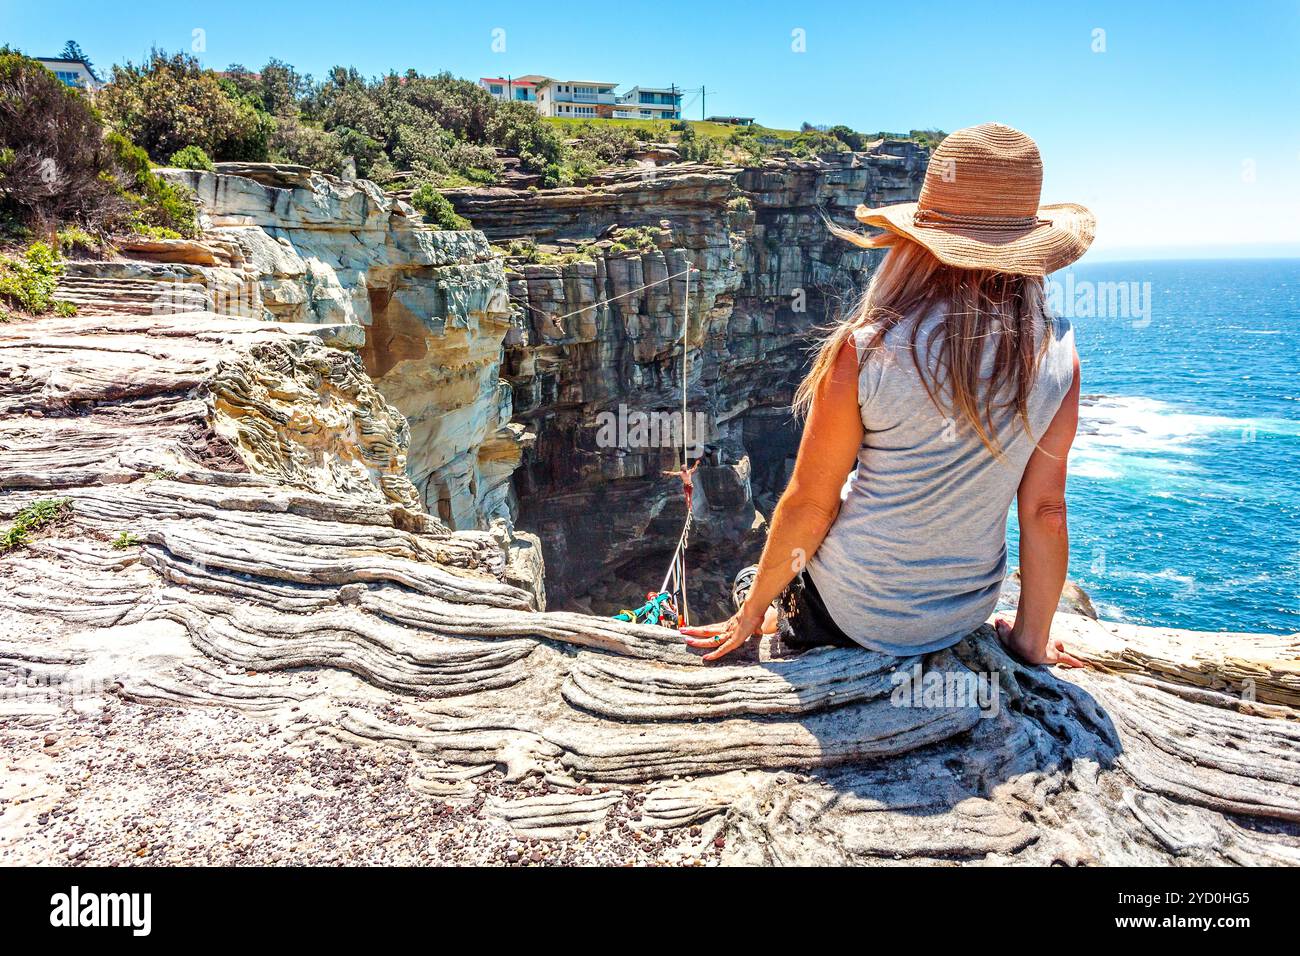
[{"x": 979, "y": 208}]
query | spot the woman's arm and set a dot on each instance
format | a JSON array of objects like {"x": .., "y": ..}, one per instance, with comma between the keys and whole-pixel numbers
[
  {"x": 827, "y": 451},
  {"x": 1044, "y": 539}
]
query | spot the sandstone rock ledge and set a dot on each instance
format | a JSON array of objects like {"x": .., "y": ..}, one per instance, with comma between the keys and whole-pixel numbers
[{"x": 297, "y": 664}]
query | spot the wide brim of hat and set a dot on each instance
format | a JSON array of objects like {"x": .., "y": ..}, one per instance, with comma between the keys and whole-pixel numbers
[{"x": 1065, "y": 233}]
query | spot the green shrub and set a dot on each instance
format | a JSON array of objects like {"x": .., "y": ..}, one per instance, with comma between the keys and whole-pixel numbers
[
  {"x": 525, "y": 249},
  {"x": 437, "y": 208},
  {"x": 170, "y": 101},
  {"x": 849, "y": 137},
  {"x": 813, "y": 142},
  {"x": 73, "y": 238},
  {"x": 155, "y": 232},
  {"x": 58, "y": 165},
  {"x": 296, "y": 141},
  {"x": 125, "y": 540},
  {"x": 642, "y": 238},
  {"x": 155, "y": 202},
  {"x": 697, "y": 149},
  {"x": 55, "y": 166},
  {"x": 27, "y": 283},
  {"x": 32, "y": 518},
  {"x": 191, "y": 157}
]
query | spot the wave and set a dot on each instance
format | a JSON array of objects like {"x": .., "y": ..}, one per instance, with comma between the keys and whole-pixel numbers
[
  {"x": 1120, "y": 435},
  {"x": 1151, "y": 424}
]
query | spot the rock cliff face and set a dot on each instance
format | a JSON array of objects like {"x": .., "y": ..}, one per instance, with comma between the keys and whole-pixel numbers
[
  {"x": 425, "y": 309},
  {"x": 599, "y": 342},
  {"x": 248, "y": 640},
  {"x": 546, "y": 435},
  {"x": 287, "y": 660}
]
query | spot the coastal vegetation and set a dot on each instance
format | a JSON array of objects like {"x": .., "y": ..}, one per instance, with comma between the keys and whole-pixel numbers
[
  {"x": 32, "y": 518},
  {"x": 28, "y": 280},
  {"x": 67, "y": 160},
  {"x": 68, "y": 180}
]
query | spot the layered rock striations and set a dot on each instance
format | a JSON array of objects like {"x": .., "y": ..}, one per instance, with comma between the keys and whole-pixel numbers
[
  {"x": 425, "y": 309},
  {"x": 244, "y": 638},
  {"x": 246, "y": 641}
]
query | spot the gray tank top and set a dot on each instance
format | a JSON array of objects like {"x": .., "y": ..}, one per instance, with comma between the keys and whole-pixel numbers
[{"x": 916, "y": 557}]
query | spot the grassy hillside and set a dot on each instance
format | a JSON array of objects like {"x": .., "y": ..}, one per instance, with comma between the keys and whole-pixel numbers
[
  {"x": 657, "y": 127},
  {"x": 575, "y": 126}
]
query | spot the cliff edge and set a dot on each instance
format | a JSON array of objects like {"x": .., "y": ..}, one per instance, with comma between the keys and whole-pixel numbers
[{"x": 250, "y": 632}]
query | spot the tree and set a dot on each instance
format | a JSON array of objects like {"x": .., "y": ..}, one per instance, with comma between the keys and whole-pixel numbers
[
  {"x": 434, "y": 125},
  {"x": 172, "y": 102},
  {"x": 72, "y": 51},
  {"x": 850, "y": 138},
  {"x": 52, "y": 150},
  {"x": 282, "y": 88},
  {"x": 59, "y": 165}
]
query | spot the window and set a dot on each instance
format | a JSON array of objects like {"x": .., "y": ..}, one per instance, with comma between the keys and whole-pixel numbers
[
  {"x": 496, "y": 89},
  {"x": 71, "y": 79},
  {"x": 522, "y": 93}
]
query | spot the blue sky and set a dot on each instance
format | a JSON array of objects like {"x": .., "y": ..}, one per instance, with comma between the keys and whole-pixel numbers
[{"x": 1183, "y": 135}]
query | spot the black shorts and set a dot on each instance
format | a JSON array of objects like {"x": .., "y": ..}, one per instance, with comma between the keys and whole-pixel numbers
[{"x": 802, "y": 618}]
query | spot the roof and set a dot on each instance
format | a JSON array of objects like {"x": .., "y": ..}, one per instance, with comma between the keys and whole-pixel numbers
[
  {"x": 497, "y": 79},
  {"x": 552, "y": 79},
  {"x": 63, "y": 59}
]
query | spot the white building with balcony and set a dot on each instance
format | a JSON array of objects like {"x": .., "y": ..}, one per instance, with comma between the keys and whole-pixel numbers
[
  {"x": 649, "y": 102},
  {"x": 575, "y": 98},
  {"x": 586, "y": 99},
  {"x": 521, "y": 89}
]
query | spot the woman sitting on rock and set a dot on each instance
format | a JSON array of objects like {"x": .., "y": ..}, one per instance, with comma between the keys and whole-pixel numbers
[{"x": 950, "y": 391}]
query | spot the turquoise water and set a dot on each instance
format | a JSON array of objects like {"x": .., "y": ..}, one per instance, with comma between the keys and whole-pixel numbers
[{"x": 1184, "y": 487}]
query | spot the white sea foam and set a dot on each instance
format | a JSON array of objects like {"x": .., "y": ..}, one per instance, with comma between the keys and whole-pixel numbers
[
  {"x": 1147, "y": 424},
  {"x": 1120, "y": 434}
]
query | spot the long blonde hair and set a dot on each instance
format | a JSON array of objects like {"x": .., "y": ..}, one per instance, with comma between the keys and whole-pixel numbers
[{"x": 975, "y": 306}]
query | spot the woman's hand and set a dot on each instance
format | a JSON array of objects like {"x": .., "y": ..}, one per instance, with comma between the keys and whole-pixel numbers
[
  {"x": 725, "y": 637},
  {"x": 1051, "y": 651}
]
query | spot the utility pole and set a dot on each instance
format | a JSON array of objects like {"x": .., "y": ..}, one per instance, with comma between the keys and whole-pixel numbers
[{"x": 703, "y": 91}]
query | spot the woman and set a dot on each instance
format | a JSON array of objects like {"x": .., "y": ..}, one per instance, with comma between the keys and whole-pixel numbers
[{"x": 947, "y": 393}]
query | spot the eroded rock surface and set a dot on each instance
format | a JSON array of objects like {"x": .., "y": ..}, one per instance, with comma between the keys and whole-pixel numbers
[
  {"x": 426, "y": 309},
  {"x": 248, "y": 642},
  {"x": 552, "y": 430},
  {"x": 599, "y": 342}
]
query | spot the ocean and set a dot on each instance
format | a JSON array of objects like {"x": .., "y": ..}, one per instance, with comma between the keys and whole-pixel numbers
[{"x": 1183, "y": 488}]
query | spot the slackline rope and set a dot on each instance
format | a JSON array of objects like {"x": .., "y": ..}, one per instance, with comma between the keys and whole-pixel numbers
[
  {"x": 677, "y": 567},
  {"x": 612, "y": 298},
  {"x": 674, "y": 582}
]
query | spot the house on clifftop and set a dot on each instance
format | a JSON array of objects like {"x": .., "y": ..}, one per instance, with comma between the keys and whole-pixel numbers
[
  {"x": 586, "y": 99},
  {"x": 77, "y": 73}
]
